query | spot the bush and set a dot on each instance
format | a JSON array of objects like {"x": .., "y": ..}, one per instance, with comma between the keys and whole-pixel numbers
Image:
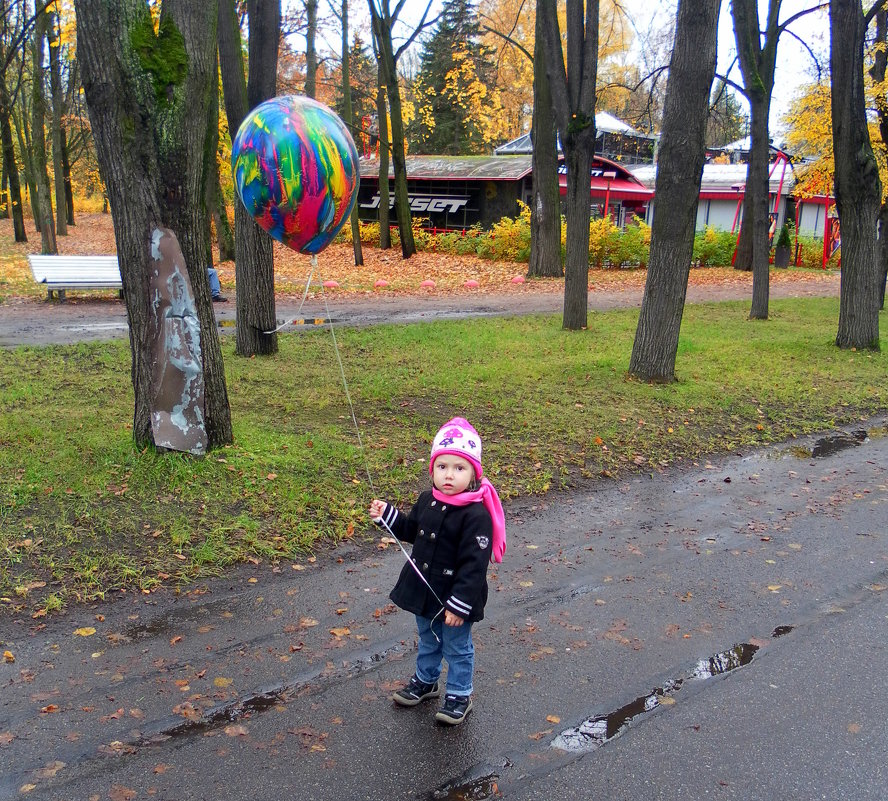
[
  {"x": 714, "y": 248},
  {"x": 811, "y": 254}
]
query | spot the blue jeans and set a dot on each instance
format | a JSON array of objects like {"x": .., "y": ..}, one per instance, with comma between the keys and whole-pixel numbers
[
  {"x": 455, "y": 646},
  {"x": 215, "y": 286}
]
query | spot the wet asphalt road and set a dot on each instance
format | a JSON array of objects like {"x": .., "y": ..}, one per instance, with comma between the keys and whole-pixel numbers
[
  {"x": 626, "y": 597},
  {"x": 87, "y": 318}
]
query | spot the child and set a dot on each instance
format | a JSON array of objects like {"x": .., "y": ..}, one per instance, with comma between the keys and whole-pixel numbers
[{"x": 456, "y": 527}]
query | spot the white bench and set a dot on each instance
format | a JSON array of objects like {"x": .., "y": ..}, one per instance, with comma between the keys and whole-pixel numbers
[{"x": 59, "y": 273}]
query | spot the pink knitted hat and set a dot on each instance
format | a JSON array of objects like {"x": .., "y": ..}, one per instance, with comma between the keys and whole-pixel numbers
[{"x": 457, "y": 437}]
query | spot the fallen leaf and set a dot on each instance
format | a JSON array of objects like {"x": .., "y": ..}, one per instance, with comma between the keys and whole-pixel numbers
[
  {"x": 120, "y": 793},
  {"x": 175, "y": 640},
  {"x": 540, "y": 734},
  {"x": 26, "y": 788},
  {"x": 221, "y": 681},
  {"x": 50, "y": 770},
  {"x": 85, "y": 631},
  {"x": 5, "y": 738},
  {"x": 553, "y": 719},
  {"x": 341, "y": 631},
  {"x": 665, "y": 700},
  {"x": 236, "y": 730},
  {"x": 854, "y": 728},
  {"x": 160, "y": 768},
  {"x": 49, "y": 708},
  {"x": 8, "y": 657},
  {"x": 525, "y": 583},
  {"x": 307, "y": 622}
]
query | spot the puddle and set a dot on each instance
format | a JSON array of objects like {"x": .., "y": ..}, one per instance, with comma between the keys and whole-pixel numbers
[
  {"x": 475, "y": 790},
  {"x": 827, "y": 446},
  {"x": 594, "y": 732}
]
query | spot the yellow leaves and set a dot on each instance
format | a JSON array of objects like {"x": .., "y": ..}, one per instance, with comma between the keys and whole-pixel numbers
[
  {"x": 340, "y": 631},
  {"x": 222, "y": 682},
  {"x": 85, "y": 631},
  {"x": 553, "y": 719},
  {"x": 8, "y": 657}
]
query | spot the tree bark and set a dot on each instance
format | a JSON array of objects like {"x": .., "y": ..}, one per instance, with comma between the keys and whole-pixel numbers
[
  {"x": 350, "y": 122},
  {"x": 153, "y": 163},
  {"x": 757, "y": 64},
  {"x": 877, "y": 72},
  {"x": 23, "y": 133},
  {"x": 9, "y": 163},
  {"x": 53, "y": 35},
  {"x": 385, "y": 229},
  {"x": 545, "y": 212},
  {"x": 857, "y": 186},
  {"x": 254, "y": 254},
  {"x": 38, "y": 138},
  {"x": 311, "y": 57},
  {"x": 679, "y": 174},
  {"x": 573, "y": 100},
  {"x": 382, "y": 30}
]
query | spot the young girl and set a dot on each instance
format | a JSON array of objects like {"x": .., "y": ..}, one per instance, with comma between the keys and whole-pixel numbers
[{"x": 456, "y": 528}]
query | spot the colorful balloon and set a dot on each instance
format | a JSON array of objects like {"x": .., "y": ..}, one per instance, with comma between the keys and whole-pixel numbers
[{"x": 296, "y": 171}]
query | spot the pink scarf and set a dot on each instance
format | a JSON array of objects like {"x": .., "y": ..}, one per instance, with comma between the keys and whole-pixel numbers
[{"x": 486, "y": 495}]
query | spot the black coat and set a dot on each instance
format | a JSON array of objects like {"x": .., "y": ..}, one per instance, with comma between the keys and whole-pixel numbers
[{"x": 451, "y": 547}]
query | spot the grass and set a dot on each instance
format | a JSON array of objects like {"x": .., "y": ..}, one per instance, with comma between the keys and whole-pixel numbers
[{"x": 83, "y": 513}]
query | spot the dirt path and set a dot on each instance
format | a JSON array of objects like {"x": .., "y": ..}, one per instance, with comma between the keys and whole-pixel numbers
[{"x": 38, "y": 322}]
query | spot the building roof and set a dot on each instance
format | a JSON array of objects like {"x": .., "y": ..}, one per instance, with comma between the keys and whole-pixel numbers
[
  {"x": 489, "y": 168},
  {"x": 724, "y": 178},
  {"x": 604, "y": 123}
]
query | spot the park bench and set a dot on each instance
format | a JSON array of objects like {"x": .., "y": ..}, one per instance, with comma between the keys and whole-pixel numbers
[{"x": 61, "y": 272}]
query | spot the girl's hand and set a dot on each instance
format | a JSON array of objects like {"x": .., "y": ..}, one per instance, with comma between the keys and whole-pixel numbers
[
  {"x": 377, "y": 507},
  {"x": 452, "y": 620}
]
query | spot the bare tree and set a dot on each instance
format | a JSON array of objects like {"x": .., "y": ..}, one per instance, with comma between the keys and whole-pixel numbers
[
  {"x": 38, "y": 138},
  {"x": 857, "y": 186},
  {"x": 383, "y": 20},
  {"x": 677, "y": 192},
  {"x": 573, "y": 101},
  {"x": 254, "y": 255}
]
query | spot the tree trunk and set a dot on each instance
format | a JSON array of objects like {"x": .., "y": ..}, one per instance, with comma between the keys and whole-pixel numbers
[
  {"x": 545, "y": 212},
  {"x": 55, "y": 82},
  {"x": 743, "y": 256},
  {"x": 215, "y": 200},
  {"x": 9, "y": 163},
  {"x": 311, "y": 58},
  {"x": 757, "y": 197},
  {"x": 383, "y": 32},
  {"x": 679, "y": 174},
  {"x": 254, "y": 254},
  {"x": 385, "y": 225},
  {"x": 38, "y": 137},
  {"x": 153, "y": 164},
  {"x": 23, "y": 133},
  {"x": 758, "y": 59},
  {"x": 350, "y": 122},
  {"x": 877, "y": 72},
  {"x": 573, "y": 100},
  {"x": 66, "y": 180},
  {"x": 857, "y": 186}
]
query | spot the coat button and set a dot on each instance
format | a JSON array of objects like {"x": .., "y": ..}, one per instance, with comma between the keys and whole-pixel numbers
[
  {"x": 421, "y": 532},
  {"x": 434, "y": 503},
  {"x": 425, "y": 565},
  {"x": 444, "y": 508},
  {"x": 432, "y": 535}
]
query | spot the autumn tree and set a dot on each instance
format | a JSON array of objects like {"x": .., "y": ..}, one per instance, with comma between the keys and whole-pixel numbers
[
  {"x": 572, "y": 85},
  {"x": 254, "y": 255},
  {"x": 880, "y": 97},
  {"x": 458, "y": 107},
  {"x": 857, "y": 186},
  {"x": 677, "y": 190},
  {"x": 148, "y": 92}
]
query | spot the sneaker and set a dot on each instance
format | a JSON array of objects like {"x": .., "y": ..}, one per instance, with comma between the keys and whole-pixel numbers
[
  {"x": 416, "y": 692},
  {"x": 219, "y": 299},
  {"x": 455, "y": 709}
]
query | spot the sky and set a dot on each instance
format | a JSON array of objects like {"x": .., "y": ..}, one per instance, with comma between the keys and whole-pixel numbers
[{"x": 795, "y": 66}]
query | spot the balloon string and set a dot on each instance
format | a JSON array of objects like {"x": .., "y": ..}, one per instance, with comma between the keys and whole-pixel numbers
[
  {"x": 314, "y": 266},
  {"x": 351, "y": 405}
]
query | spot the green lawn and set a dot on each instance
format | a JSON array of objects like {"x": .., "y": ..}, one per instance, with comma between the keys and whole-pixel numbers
[{"x": 82, "y": 512}]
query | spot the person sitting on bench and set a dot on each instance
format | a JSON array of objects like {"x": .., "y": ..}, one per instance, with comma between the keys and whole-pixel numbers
[{"x": 215, "y": 286}]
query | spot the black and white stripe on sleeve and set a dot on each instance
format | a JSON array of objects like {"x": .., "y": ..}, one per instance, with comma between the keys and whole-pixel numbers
[{"x": 459, "y": 607}]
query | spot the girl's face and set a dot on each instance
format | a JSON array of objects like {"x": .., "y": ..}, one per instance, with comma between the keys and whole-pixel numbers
[{"x": 452, "y": 474}]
